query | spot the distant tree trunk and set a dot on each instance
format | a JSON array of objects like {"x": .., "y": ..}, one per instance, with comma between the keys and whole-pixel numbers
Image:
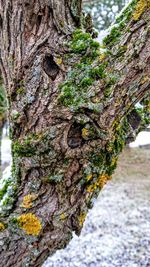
[{"x": 71, "y": 111}]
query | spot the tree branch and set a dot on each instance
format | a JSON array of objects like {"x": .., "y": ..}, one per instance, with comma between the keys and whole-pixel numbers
[{"x": 70, "y": 115}]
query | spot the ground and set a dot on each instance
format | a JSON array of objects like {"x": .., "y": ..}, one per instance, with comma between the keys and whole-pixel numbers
[{"x": 116, "y": 232}]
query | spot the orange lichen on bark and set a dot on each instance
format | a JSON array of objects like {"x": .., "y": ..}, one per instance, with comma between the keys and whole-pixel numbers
[
  {"x": 2, "y": 227},
  {"x": 27, "y": 201},
  {"x": 141, "y": 6},
  {"x": 30, "y": 223},
  {"x": 99, "y": 184}
]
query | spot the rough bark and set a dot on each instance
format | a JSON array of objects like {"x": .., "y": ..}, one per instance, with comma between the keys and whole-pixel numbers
[
  {"x": 3, "y": 115},
  {"x": 63, "y": 151}
]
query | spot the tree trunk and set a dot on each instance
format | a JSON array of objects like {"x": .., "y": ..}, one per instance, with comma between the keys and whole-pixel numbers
[{"x": 71, "y": 111}]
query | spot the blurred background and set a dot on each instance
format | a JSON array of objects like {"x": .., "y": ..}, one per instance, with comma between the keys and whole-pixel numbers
[
  {"x": 116, "y": 232},
  {"x": 103, "y": 11}
]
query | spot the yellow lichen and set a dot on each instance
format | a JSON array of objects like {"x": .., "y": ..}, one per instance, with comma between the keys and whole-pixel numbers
[
  {"x": 101, "y": 181},
  {"x": 102, "y": 57},
  {"x": 141, "y": 6},
  {"x": 58, "y": 60},
  {"x": 2, "y": 227},
  {"x": 85, "y": 133},
  {"x": 27, "y": 201},
  {"x": 89, "y": 177},
  {"x": 30, "y": 223},
  {"x": 114, "y": 161},
  {"x": 145, "y": 79},
  {"x": 82, "y": 217},
  {"x": 63, "y": 216}
]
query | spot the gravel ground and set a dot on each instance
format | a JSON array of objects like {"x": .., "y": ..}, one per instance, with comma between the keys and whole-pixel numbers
[{"x": 116, "y": 232}]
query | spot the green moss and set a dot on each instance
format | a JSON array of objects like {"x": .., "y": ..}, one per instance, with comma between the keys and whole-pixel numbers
[
  {"x": 79, "y": 89},
  {"x": 35, "y": 146},
  {"x": 27, "y": 149},
  {"x": 110, "y": 39},
  {"x": 81, "y": 41},
  {"x": 99, "y": 72},
  {"x": 3, "y": 101},
  {"x": 9, "y": 200},
  {"x": 86, "y": 82},
  {"x": 127, "y": 12},
  {"x": 8, "y": 190},
  {"x": 3, "y": 189},
  {"x": 76, "y": 92},
  {"x": 120, "y": 25}
]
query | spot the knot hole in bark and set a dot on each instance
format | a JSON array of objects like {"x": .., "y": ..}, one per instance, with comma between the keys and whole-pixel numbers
[
  {"x": 50, "y": 67},
  {"x": 134, "y": 119},
  {"x": 75, "y": 136}
]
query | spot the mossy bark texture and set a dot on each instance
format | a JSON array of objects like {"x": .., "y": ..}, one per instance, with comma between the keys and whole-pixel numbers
[{"x": 71, "y": 110}]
